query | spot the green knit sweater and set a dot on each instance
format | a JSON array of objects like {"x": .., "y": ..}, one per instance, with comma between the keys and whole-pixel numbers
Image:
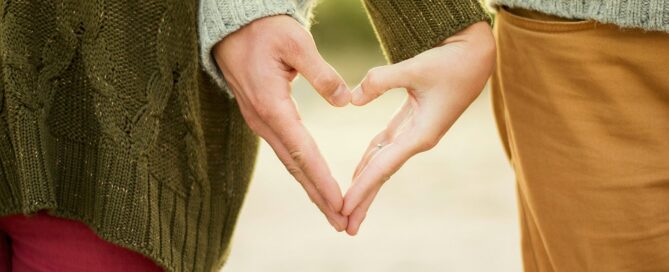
[{"x": 107, "y": 117}]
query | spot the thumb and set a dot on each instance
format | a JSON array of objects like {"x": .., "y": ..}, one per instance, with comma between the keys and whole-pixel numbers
[
  {"x": 320, "y": 74},
  {"x": 378, "y": 81}
]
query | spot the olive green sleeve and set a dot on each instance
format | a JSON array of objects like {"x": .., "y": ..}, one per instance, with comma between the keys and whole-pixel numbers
[{"x": 406, "y": 28}]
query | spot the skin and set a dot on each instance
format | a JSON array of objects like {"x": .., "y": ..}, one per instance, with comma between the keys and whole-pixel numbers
[
  {"x": 259, "y": 62},
  {"x": 440, "y": 84}
]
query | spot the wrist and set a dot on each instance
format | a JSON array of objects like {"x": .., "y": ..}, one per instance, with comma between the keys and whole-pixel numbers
[
  {"x": 477, "y": 37},
  {"x": 479, "y": 32}
]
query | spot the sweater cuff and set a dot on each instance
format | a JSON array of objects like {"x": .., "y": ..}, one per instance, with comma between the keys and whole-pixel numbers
[
  {"x": 407, "y": 28},
  {"x": 218, "y": 19}
]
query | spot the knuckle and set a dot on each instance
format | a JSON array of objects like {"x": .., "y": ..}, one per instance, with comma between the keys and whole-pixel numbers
[
  {"x": 294, "y": 44},
  {"x": 263, "y": 112},
  {"x": 326, "y": 82},
  {"x": 293, "y": 170},
  {"x": 373, "y": 77},
  {"x": 373, "y": 81},
  {"x": 426, "y": 144},
  {"x": 297, "y": 156},
  {"x": 266, "y": 112}
]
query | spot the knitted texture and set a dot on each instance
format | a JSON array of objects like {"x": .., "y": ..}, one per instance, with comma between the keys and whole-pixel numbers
[
  {"x": 106, "y": 117},
  {"x": 647, "y": 14},
  {"x": 219, "y": 18},
  {"x": 408, "y": 27},
  {"x": 405, "y": 28}
]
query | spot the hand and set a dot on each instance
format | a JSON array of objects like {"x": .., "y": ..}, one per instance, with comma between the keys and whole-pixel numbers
[
  {"x": 441, "y": 83},
  {"x": 259, "y": 63}
]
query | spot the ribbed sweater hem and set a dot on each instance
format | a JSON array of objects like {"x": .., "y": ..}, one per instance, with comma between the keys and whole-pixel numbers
[
  {"x": 104, "y": 187},
  {"x": 408, "y": 28}
]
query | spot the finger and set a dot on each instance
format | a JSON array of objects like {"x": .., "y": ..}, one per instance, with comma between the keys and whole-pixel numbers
[
  {"x": 338, "y": 221},
  {"x": 320, "y": 74},
  {"x": 399, "y": 119},
  {"x": 379, "y": 169},
  {"x": 379, "y": 80},
  {"x": 360, "y": 213},
  {"x": 374, "y": 146},
  {"x": 285, "y": 123}
]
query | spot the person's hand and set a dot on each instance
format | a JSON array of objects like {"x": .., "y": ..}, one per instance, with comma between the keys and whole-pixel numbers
[
  {"x": 259, "y": 63},
  {"x": 441, "y": 83}
]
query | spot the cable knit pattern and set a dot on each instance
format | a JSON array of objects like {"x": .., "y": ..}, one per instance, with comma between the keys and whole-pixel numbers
[
  {"x": 219, "y": 18},
  {"x": 107, "y": 118},
  {"x": 645, "y": 14}
]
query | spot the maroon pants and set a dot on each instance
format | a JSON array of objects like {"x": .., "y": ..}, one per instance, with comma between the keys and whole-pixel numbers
[{"x": 43, "y": 243}]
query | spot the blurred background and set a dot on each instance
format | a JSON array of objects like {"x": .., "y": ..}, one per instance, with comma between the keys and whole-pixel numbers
[{"x": 450, "y": 209}]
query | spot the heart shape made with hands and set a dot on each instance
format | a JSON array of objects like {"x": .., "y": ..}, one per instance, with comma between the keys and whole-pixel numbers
[{"x": 440, "y": 82}]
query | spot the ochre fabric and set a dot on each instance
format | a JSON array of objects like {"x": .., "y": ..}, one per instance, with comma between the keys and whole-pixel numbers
[
  {"x": 44, "y": 243},
  {"x": 583, "y": 110}
]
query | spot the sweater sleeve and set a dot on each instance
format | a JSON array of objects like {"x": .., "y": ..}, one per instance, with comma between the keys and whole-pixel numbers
[
  {"x": 406, "y": 28},
  {"x": 219, "y": 18}
]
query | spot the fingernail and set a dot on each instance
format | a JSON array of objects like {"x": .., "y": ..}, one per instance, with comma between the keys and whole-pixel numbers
[
  {"x": 338, "y": 227},
  {"x": 341, "y": 96},
  {"x": 334, "y": 224},
  {"x": 356, "y": 95}
]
